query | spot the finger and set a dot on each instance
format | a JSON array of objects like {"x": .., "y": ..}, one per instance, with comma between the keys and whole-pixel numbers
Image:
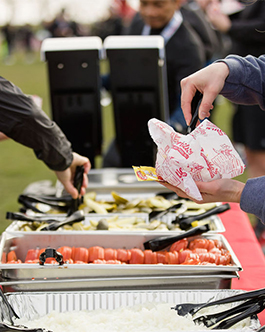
[
  {"x": 69, "y": 187},
  {"x": 187, "y": 93},
  {"x": 206, "y": 104}
]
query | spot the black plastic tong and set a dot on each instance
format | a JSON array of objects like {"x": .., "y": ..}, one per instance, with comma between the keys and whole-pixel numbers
[
  {"x": 185, "y": 222},
  {"x": 195, "y": 104},
  {"x": 223, "y": 318},
  {"x": 61, "y": 204},
  {"x": 74, "y": 217},
  {"x": 165, "y": 241},
  {"x": 78, "y": 180},
  {"x": 191, "y": 308}
]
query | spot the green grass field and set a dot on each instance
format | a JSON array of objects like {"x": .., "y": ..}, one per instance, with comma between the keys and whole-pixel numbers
[{"x": 18, "y": 164}]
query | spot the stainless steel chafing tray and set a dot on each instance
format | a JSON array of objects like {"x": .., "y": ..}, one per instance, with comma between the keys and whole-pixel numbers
[
  {"x": 22, "y": 243},
  {"x": 120, "y": 179},
  {"x": 216, "y": 225},
  {"x": 31, "y": 305}
]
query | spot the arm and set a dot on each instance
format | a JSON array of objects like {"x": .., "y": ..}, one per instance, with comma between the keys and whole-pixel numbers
[
  {"x": 250, "y": 195},
  {"x": 239, "y": 79},
  {"x": 24, "y": 122}
]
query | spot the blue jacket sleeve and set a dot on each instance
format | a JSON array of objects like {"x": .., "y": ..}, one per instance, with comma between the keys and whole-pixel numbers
[
  {"x": 253, "y": 197},
  {"x": 245, "y": 83}
]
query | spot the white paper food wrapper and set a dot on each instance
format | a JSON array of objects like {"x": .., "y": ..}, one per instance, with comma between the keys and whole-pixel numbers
[{"x": 205, "y": 154}]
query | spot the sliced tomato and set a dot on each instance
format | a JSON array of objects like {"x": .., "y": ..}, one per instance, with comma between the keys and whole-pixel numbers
[
  {"x": 137, "y": 256},
  {"x": 96, "y": 252},
  {"x": 198, "y": 243},
  {"x": 183, "y": 254},
  {"x": 18, "y": 261},
  {"x": 32, "y": 254},
  {"x": 66, "y": 252},
  {"x": 207, "y": 257},
  {"x": 99, "y": 261},
  {"x": 216, "y": 251},
  {"x": 218, "y": 244},
  {"x": 81, "y": 254},
  {"x": 79, "y": 262},
  {"x": 211, "y": 245},
  {"x": 200, "y": 250},
  {"x": 113, "y": 261},
  {"x": 11, "y": 256},
  {"x": 150, "y": 257},
  {"x": 110, "y": 254},
  {"x": 172, "y": 257},
  {"x": 179, "y": 245},
  {"x": 122, "y": 255},
  {"x": 192, "y": 259},
  {"x": 32, "y": 261},
  {"x": 161, "y": 257}
]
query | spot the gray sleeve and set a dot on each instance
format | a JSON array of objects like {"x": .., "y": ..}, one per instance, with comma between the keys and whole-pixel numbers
[
  {"x": 23, "y": 121},
  {"x": 253, "y": 197},
  {"x": 245, "y": 83}
]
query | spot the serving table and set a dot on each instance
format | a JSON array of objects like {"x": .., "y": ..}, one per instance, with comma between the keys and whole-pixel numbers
[{"x": 244, "y": 243}]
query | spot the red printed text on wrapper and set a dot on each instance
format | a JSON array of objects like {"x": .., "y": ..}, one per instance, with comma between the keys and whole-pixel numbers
[{"x": 210, "y": 166}]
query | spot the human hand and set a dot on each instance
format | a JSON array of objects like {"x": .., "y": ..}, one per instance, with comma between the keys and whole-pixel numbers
[
  {"x": 209, "y": 81},
  {"x": 221, "y": 190},
  {"x": 66, "y": 177}
]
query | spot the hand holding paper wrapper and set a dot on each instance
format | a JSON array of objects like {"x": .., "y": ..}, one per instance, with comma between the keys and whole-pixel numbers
[{"x": 205, "y": 154}]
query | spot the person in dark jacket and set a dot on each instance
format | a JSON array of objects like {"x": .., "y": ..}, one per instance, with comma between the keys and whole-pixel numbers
[
  {"x": 23, "y": 121},
  {"x": 184, "y": 48}
]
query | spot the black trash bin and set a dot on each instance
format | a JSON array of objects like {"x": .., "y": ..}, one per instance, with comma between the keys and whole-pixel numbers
[
  {"x": 74, "y": 84},
  {"x": 139, "y": 92}
]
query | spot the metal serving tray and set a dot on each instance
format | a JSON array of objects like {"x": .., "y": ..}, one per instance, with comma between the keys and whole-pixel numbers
[
  {"x": 119, "y": 179},
  {"x": 22, "y": 243},
  {"x": 215, "y": 222},
  {"x": 215, "y": 281},
  {"x": 32, "y": 305}
]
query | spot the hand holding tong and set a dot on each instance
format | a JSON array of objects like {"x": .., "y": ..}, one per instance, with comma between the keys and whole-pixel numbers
[
  {"x": 78, "y": 180},
  {"x": 195, "y": 104}
]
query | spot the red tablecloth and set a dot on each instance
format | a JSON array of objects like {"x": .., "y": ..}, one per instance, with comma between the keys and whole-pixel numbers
[{"x": 240, "y": 235}]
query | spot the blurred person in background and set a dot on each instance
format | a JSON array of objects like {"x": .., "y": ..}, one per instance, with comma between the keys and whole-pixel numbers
[
  {"x": 8, "y": 43},
  {"x": 63, "y": 26},
  {"x": 23, "y": 121},
  {"x": 184, "y": 48},
  {"x": 120, "y": 14},
  {"x": 245, "y": 25},
  {"x": 210, "y": 37}
]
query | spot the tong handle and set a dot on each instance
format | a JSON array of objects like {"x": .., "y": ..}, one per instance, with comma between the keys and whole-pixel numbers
[
  {"x": 163, "y": 242},
  {"x": 158, "y": 214},
  {"x": 253, "y": 310},
  {"x": 235, "y": 298},
  {"x": 185, "y": 223},
  {"x": 195, "y": 104},
  {"x": 74, "y": 217},
  {"x": 213, "y": 319},
  {"x": 78, "y": 180}
]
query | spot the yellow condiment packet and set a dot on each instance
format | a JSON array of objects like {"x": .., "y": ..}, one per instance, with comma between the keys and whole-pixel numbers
[{"x": 146, "y": 173}]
